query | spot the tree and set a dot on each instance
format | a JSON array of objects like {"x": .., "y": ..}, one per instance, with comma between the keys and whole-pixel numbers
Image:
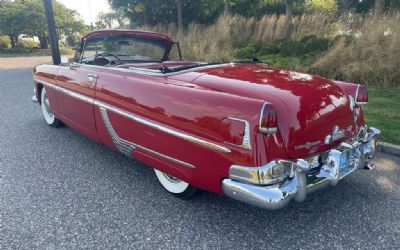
[
  {"x": 27, "y": 17},
  {"x": 11, "y": 22},
  {"x": 378, "y": 9},
  {"x": 112, "y": 19},
  {"x": 227, "y": 8},
  {"x": 288, "y": 19},
  {"x": 180, "y": 17}
]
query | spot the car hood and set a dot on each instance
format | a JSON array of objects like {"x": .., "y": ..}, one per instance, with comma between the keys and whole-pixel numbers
[{"x": 309, "y": 107}]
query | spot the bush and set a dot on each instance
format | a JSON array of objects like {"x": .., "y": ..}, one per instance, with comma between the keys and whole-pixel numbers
[
  {"x": 247, "y": 52},
  {"x": 5, "y": 42},
  {"x": 27, "y": 44},
  {"x": 293, "y": 48},
  {"x": 315, "y": 44}
]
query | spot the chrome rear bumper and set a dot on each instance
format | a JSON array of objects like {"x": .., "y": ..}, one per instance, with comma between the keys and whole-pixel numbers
[{"x": 305, "y": 178}]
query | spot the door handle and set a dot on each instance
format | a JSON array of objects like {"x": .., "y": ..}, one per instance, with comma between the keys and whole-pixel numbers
[{"x": 92, "y": 77}]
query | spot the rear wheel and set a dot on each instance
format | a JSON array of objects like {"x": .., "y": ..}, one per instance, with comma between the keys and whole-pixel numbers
[
  {"x": 48, "y": 115},
  {"x": 175, "y": 186}
]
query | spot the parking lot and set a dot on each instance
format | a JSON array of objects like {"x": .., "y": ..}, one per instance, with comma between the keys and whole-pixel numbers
[{"x": 60, "y": 190}]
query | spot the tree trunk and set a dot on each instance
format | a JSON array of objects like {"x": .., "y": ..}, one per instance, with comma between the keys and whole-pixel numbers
[
  {"x": 13, "y": 40},
  {"x": 378, "y": 8},
  {"x": 227, "y": 9},
  {"x": 44, "y": 44},
  {"x": 288, "y": 19},
  {"x": 180, "y": 17},
  {"x": 145, "y": 20}
]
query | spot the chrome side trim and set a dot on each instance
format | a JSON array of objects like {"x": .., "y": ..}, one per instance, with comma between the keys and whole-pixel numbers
[
  {"x": 166, "y": 130},
  {"x": 67, "y": 92},
  {"x": 140, "y": 120},
  {"x": 126, "y": 147},
  {"x": 246, "y": 144},
  {"x": 151, "y": 72}
]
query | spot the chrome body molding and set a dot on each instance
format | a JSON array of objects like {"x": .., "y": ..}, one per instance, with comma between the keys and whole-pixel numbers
[
  {"x": 126, "y": 147},
  {"x": 150, "y": 72},
  {"x": 246, "y": 144},
  {"x": 67, "y": 92},
  {"x": 176, "y": 133},
  {"x": 304, "y": 176},
  {"x": 162, "y": 128}
]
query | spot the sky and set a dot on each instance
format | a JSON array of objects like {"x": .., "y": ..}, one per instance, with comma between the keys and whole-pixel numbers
[{"x": 88, "y": 9}]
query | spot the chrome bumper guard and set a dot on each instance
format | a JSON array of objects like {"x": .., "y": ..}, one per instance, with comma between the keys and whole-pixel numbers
[{"x": 304, "y": 177}]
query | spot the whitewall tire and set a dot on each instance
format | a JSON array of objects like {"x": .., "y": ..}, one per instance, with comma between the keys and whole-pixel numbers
[
  {"x": 48, "y": 115},
  {"x": 175, "y": 186}
]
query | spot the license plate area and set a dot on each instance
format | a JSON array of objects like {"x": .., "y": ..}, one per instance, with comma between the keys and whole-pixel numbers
[
  {"x": 349, "y": 160},
  {"x": 344, "y": 159}
]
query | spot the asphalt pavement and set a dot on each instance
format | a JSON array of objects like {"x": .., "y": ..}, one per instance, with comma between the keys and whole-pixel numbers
[{"x": 59, "y": 190}]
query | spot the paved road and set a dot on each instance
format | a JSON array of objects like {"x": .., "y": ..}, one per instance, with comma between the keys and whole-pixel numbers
[{"x": 61, "y": 190}]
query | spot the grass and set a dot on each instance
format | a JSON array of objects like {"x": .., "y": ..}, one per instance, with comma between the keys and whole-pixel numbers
[
  {"x": 32, "y": 52},
  {"x": 383, "y": 112}
]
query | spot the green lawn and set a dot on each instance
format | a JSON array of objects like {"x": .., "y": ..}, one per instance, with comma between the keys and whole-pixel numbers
[{"x": 383, "y": 112}]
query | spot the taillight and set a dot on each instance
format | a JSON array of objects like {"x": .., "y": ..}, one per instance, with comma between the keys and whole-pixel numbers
[
  {"x": 361, "y": 95},
  {"x": 268, "y": 119}
]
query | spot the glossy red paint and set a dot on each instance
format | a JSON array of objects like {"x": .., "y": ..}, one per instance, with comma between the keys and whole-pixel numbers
[{"x": 200, "y": 102}]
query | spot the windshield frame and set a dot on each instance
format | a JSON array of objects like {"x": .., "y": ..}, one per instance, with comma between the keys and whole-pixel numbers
[{"x": 80, "y": 51}]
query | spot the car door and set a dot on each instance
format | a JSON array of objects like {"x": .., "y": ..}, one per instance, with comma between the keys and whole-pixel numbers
[{"x": 76, "y": 96}]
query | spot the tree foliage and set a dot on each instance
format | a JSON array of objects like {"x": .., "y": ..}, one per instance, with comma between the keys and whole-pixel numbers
[{"x": 27, "y": 17}]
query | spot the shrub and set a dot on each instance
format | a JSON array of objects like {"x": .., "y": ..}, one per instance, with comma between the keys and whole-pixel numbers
[
  {"x": 27, "y": 44},
  {"x": 293, "y": 48},
  {"x": 315, "y": 44},
  {"x": 5, "y": 42},
  {"x": 246, "y": 52}
]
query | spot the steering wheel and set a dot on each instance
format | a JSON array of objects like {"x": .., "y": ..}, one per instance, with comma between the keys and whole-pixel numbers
[{"x": 100, "y": 59}]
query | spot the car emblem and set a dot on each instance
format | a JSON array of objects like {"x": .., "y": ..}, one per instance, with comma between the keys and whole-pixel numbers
[
  {"x": 308, "y": 145},
  {"x": 337, "y": 134}
]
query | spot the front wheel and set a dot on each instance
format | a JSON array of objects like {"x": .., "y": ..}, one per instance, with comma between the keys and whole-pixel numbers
[
  {"x": 48, "y": 115},
  {"x": 175, "y": 186}
]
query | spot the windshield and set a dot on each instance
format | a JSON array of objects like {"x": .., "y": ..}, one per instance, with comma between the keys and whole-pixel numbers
[{"x": 127, "y": 48}]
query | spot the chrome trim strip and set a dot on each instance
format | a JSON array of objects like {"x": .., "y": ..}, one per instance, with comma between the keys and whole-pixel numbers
[
  {"x": 162, "y": 128},
  {"x": 130, "y": 116},
  {"x": 126, "y": 147},
  {"x": 67, "y": 92},
  {"x": 246, "y": 144},
  {"x": 151, "y": 72}
]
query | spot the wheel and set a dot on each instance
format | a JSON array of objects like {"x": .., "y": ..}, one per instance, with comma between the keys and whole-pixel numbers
[
  {"x": 175, "y": 186},
  {"x": 48, "y": 115}
]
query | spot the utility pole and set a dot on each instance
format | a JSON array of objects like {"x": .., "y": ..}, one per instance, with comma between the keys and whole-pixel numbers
[{"x": 51, "y": 26}]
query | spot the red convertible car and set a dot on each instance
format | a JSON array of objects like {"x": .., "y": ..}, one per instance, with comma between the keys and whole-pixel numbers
[{"x": 258, "y": 134}]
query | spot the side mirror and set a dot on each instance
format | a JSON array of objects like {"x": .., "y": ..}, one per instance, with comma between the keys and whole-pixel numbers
[{"x": 64, "y": 60}]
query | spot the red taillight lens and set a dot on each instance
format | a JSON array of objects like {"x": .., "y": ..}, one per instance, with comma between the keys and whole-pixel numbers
[
  {"x": 361, "y": 96},
  {"x": 268, "y": 119}
]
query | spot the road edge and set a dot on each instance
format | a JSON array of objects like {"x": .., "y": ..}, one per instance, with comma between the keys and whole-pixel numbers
[{"x": 390, "y": 148}]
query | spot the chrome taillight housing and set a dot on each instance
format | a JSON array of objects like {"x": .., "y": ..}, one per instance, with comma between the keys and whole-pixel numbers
[
  {"x": 361, "y": 95},
  {"x": 268, "y": 119}
]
